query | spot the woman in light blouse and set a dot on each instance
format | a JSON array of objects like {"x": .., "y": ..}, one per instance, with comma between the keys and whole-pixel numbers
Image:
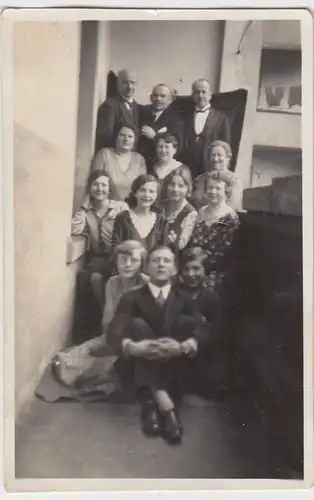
[
  {"x": 121, "y": 164},
  {"x": 95, "y": 219}
]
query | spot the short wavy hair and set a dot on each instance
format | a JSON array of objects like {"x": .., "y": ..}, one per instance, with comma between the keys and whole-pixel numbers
[
  {"x": 225, "y": 176},
  {"x": 168, "y": 138},
  {"x": 94, "y": 174},
  {"x": 127, "y": 247},
  {"x": 192, "y": 254},
  {"x": 225, "y": 146},
  {"x": 126, "y": 125},
  {"x": 136, "y": 185}
]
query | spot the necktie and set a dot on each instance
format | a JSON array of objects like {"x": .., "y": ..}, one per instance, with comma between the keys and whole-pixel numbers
[
  {"x": 160, "y": 299},
  {"x": 129, "y": 104}
]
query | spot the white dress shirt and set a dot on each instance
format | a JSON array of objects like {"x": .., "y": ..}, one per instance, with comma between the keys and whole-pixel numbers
[
  {"x": 200, "y": 119},
  {"x": 157, "y": 114},
  {"x": 165, "y": 290},
  {"x": 155, "y": 290}
]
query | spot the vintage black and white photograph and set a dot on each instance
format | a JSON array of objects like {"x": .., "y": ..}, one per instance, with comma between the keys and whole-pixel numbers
[{"x": 158, "y": 268}]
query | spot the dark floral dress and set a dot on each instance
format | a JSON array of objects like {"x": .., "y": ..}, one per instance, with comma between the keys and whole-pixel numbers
[{"x": 217, "y": 239}]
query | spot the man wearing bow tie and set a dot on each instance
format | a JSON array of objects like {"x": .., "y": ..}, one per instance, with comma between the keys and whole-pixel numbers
[
  {"x": 203, "y": 125},
  {"x": 158, "y": 118},
  {"x": 117, "y": 111}
]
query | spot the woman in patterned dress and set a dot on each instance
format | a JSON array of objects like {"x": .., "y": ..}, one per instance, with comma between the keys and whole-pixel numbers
[{"x": 215, "y": 229}]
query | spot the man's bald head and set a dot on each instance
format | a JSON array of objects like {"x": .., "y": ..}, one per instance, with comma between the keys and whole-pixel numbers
[
  {"x": 201, "y": 92},
  {"x": 161, "y": 96},
  {"x": 127, "y": 81}
]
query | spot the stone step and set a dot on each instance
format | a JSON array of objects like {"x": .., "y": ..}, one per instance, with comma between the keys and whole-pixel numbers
[
  {"x": 282, "y": 197},
  {"x": 287, "y": 195},
  {"x": 257, "y": 199}
]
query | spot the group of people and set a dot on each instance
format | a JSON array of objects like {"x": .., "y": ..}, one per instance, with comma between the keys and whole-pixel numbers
[{"x": 161, "y": 224}]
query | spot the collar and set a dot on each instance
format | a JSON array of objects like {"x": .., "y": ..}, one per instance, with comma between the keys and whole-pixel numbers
[
  {"x": 155, "y": 290},
  {"x": 128, "y": 101},
  {"x": 203, "y": 110},
  {"x": 174, "y": 215},
  {"x": 165, "y": 170},
  {"x": 158, "y": 113},
  {"x": 87, "y": 204}
]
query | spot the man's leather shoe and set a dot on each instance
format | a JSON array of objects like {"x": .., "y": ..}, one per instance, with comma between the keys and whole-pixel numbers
[
  {"x": 150, "y": 418},
  {"x": 172, "y": 427}
]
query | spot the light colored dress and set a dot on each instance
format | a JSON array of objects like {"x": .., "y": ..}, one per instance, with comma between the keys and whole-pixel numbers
[
  {"x": 121, "y": 174},
  {"x": 76, "y": 367},
  {"x": 162, "y": 172}
]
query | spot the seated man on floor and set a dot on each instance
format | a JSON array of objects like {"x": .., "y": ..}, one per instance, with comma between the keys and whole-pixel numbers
[{"x": 158, "y": 327}]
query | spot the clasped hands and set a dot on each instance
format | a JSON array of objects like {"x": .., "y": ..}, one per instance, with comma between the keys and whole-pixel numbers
[{"x": 160, "y": 349}]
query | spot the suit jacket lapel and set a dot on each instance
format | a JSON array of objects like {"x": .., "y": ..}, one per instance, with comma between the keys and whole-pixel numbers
[
  {"x": 210, "y": 123},
  {"x": 156, "y": 124},
  {"x": 129, "y": 117},
  {"x": 136, "y": 114},
  {"x": 149, "y": 306},
  {"x": 189, "y": 128},
  {"x": 171, "y": 311}
]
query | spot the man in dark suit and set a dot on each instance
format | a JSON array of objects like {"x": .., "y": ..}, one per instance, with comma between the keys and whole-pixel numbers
[
  {"x": 203, "y": 125},
  {"x": 117, "y": 111},
  {"x": 157, "y": 327},
  {"x": 158, "y": 118}
]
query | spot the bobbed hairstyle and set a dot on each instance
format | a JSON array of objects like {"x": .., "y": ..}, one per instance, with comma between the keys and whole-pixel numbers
[
  {"x": 127, "y": 247},
  {"x": 222, "y": 144},
  {"x": 136, "y": 185},
  {"x": 168, "y": 138},
  {"x": 128, "y": 126},
  {"x": 193, "y": 254},
  {"x": 93, "y": 176},
  {"x": 225, "y": 176}
]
